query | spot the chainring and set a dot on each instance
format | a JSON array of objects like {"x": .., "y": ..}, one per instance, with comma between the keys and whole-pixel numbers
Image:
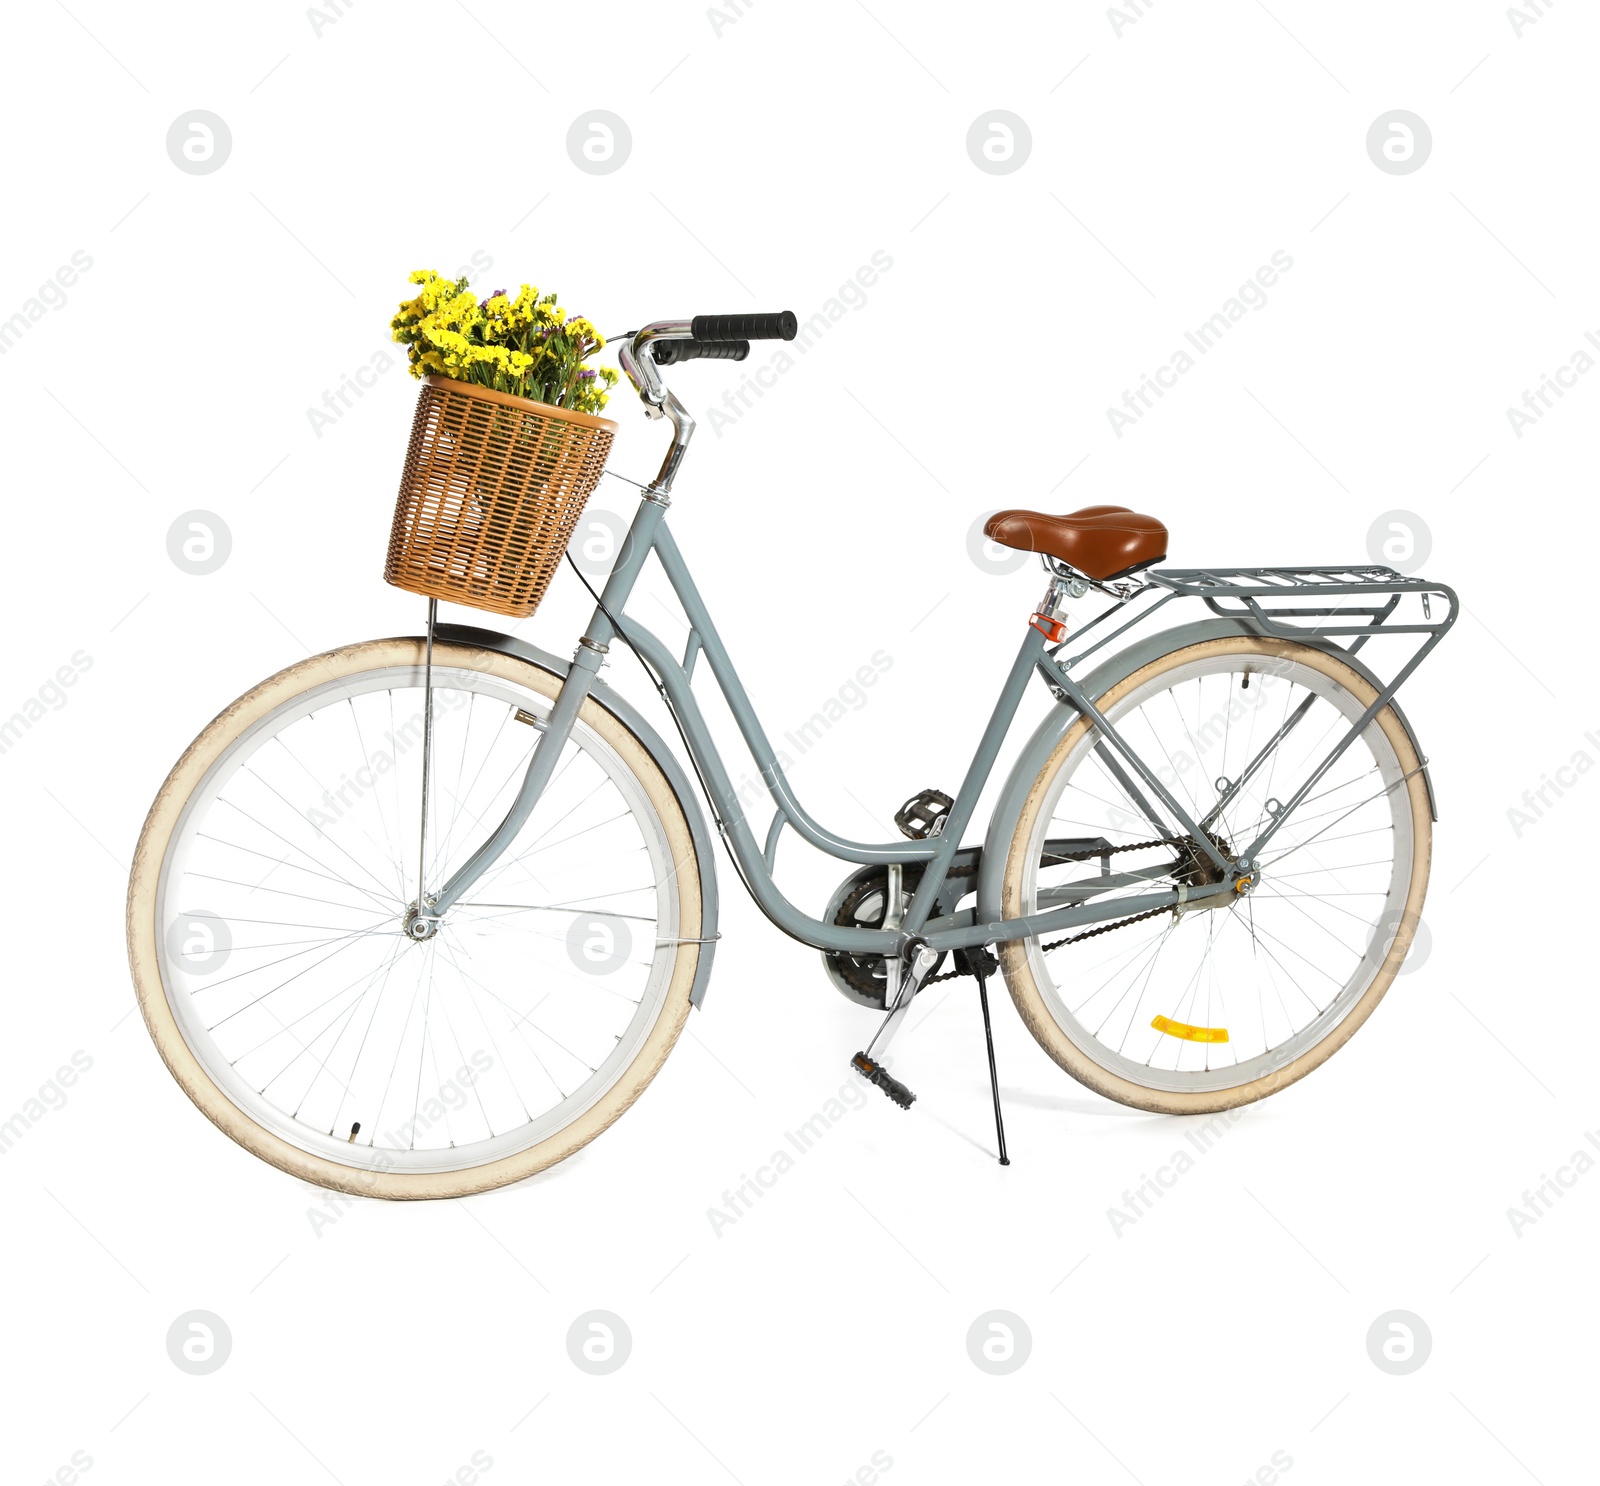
[{"x": 859, "y": 902}]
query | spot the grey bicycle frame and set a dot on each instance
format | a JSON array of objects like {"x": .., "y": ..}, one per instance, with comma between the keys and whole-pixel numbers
[
  {"x": 649, "y": 534},
  {"x": 936, "y": 855}
]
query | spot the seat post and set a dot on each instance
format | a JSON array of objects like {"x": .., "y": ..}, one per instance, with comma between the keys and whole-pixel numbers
[{"x": 1055, "y": 596}]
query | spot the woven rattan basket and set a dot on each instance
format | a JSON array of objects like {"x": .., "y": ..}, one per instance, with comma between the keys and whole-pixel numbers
[{"x": 492, "y": 489}]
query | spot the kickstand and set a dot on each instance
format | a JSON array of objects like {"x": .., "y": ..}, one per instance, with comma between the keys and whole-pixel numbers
[{"x": 983, "y": 965}]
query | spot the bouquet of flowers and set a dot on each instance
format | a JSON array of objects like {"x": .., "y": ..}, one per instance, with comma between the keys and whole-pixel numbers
[{"x": 527, "y": 345}]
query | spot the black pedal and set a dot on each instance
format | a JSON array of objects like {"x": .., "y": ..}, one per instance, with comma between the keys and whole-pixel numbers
[
  {"x": 918, "y": 817},
  {"x": 876, "y": 1073}
]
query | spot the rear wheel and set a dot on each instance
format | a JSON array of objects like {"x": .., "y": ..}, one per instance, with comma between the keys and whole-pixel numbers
[
  {"x": 276, "y": 880},
  {"x": 1221, "y": 1006}
]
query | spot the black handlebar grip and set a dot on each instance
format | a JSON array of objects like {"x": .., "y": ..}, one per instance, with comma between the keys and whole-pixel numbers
[
  {"x": 779, "y": 326},
  {"x": 670, "y": 353}
]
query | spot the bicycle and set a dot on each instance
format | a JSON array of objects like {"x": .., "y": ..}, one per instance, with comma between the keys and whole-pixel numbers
[{"x": 366, "y": 982}]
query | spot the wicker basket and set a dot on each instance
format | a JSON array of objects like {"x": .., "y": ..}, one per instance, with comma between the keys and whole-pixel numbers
[{"x": 492, "y": 489}]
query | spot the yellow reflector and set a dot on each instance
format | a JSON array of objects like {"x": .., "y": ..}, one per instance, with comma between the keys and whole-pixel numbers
[{"x": 1188, "y": 1033}]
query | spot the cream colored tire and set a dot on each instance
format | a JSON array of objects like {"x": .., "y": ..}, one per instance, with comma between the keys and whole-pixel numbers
[
  {"x": 166, "y": 820},
  {"x": 1043, "y": 1009}
]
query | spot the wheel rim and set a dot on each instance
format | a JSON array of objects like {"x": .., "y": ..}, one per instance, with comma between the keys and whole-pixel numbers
[
  {"x": 1278, "y": 969},
  {"x": 317, "y": 1013}
]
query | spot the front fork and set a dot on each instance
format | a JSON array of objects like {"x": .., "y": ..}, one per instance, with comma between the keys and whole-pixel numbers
[
  {"x": 553, "y": 735},
  {"x": 586, "y": 662}
]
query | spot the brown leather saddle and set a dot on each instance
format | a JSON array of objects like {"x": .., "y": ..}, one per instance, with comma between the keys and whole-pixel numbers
[{"x": 1099, "y": 541}]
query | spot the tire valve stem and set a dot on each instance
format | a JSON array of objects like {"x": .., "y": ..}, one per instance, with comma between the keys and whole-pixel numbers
[{"x": 355, "y": 1130}]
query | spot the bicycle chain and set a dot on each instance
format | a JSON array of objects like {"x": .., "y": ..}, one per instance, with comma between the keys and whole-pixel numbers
[{"x": 1056, "y": 860}]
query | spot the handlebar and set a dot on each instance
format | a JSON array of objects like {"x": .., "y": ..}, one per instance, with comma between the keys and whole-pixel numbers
[
  {"x": 713, "y": 337},
  {"x": 704, "y": 338}
]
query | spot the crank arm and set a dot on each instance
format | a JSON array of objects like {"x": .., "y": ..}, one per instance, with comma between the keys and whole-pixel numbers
[
  {"x": 920, "y": 966},
  {"x": 922, "y": 963}
]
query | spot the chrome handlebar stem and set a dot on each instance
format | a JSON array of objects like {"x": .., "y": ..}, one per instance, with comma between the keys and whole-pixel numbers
[{"x": 658, "y": 398}]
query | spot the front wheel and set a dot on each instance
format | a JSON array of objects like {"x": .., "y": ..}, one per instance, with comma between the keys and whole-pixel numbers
[
  {"x": 274, "y": 892},
  {"x": 1186, "y": 1013}
]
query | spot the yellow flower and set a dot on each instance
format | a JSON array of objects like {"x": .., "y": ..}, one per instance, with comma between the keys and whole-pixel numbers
[{"x": 523, "y": 344}]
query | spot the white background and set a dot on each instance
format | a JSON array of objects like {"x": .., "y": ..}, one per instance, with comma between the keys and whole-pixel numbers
[{"x": 773, "y": 152}]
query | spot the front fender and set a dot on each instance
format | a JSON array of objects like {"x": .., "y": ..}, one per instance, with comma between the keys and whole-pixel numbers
[
  {"x": 466, "y": 634},
  {"x": 1014, "y": 793}
]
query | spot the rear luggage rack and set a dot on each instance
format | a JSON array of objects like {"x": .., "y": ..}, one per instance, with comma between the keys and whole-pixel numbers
[{"x": 1245, "y": 587}]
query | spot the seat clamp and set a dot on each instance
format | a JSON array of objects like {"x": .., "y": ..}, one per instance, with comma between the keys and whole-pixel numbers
[{"x": 1054, "y": 630}]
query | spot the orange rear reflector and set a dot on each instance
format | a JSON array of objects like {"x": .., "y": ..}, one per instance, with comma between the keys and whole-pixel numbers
[{"x": 1188, "y": 1033}]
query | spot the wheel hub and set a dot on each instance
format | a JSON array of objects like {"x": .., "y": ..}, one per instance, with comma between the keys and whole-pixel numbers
[
  {"x": 420, "y": 926},
  {"x": 1200, "y": 871}
]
